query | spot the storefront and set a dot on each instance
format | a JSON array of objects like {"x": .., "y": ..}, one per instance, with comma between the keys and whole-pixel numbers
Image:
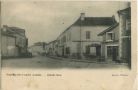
[{"x": 112, "y": 53}]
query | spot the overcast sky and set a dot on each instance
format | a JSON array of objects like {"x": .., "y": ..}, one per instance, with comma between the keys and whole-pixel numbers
[{"x": 44, "y": 21}]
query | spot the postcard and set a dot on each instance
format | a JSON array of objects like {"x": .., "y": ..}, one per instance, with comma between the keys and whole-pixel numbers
[{"x": 68, "y": 45}]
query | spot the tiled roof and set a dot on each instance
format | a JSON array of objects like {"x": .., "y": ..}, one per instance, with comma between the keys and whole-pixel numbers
[
  {"x": 126, "y": 11},
  {"x": 92, "y": 21},
  {"x": 14, "y": 30},
  {"x": 51, "y": 42},
  {"x": 108, "y": 29}
]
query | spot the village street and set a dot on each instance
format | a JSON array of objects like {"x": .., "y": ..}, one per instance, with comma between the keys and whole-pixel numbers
[{"x": 51, "y": 63}]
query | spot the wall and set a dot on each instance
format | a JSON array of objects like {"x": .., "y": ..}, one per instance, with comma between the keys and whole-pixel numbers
[
  {"x": 8, "y": 46},
  {"x": 116, "y": 33},
  {"x": 21, "y": 41},
  {"x": 125, "y": 42},
  {"x": 75, "y": 36},
  {"x": 64, "y": 41},
  {"x": 36, "y": 50},
  {"x": 106, "y": 43}
]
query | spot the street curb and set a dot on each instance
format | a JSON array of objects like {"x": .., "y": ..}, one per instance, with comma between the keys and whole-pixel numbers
[{"x": 86, "y": 61}]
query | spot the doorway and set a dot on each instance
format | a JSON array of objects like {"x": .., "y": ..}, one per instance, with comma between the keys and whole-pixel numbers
[
  {"x": 112, "y": 52},
  {"x": 98, "y": 51},
  {"x": 63, "y": 51}
]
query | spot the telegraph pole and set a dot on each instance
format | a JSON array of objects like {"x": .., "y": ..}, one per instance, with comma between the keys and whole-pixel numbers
[
  {"x": 81, "y": 47},
  {"x": 80, "y": 55}
]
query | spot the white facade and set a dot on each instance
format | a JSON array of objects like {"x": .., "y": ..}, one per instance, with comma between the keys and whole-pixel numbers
[
  {"x": 8, "y": 46},
  {"x": 73, "y": 39},
  {"x": 36, "y": 50},
  {"x": 81, "y": 38},
  {"x": 14, "y": 42}
]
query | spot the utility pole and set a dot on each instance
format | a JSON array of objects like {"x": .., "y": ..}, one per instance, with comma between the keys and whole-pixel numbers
[
  {"x": 80, "y": 54},
  {"x": 81, "y": 42}
]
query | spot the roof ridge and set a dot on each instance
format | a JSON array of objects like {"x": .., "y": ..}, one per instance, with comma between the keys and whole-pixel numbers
[{"x": 109, "y": 28}]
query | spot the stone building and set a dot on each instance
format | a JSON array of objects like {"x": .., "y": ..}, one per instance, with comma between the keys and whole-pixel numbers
[
  {"x": 14, "y": 41},
  {"x": 125, "y": 34},
  {"x": 80, "y": 39},
  {"x": 51, "y": 48},
  {"x": 116, "y": 45},
  {"x": 38, "y": 48},
  {"x": 110, "y": 43}
]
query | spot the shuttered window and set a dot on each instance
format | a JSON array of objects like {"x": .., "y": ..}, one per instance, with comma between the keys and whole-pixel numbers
[{"x": 88, "y": 34}]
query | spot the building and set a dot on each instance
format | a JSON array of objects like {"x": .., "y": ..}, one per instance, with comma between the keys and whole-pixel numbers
[
  {"x": 110, "y": 43},
  {"x": 125, "y": 34},
  {"x": 116, "y": 45},
  {"x": 51, "y": 48},
  {"x": 14, "y": 41},
  {"x": 37, "y": 49},
  {"x": 9, "y": 48},
  {"x": 80, "y": 40}
]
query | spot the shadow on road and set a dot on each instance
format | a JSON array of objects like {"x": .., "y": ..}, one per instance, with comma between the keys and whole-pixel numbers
[{"x": 50, "y": 63}]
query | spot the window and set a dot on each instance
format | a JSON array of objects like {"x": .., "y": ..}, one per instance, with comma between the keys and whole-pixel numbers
[
  {"x": 64, "y": 39},
  {"x": 87, "y": 50},
  {"x": 112, "y": 50},
  {"x": 109, "y": 36},
  {"x": 87, "y": 34},
  {"x": 109, "y": 51},
  {"x": 69, "y": 36},
  {"x": 26, "y": 42},
  {"x": 128, "y": 24},
  {"x": 67, "y": 50},
  {"x": 43, "y": 44}
]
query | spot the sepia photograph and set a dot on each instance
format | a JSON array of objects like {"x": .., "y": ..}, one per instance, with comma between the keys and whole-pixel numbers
[
  {"x": 68, "y": 45},
  {"x": 74, "y": 35}
]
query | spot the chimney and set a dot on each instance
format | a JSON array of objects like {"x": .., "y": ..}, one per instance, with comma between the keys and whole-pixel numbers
[
  {"x": 82, "y": 16},
  {"x": 114, "y": 20}
]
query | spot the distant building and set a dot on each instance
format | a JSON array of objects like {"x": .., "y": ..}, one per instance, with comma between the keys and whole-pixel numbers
[
  {"x": 80, "y": 39},
  {"x": 116, "y": 45},
  {"x": 14, "y": 41},
  {"x": 37, "y": 49},
  {"x": 51, "y": 48}
]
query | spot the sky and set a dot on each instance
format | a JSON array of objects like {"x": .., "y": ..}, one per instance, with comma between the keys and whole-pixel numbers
[{"x": 44, "y": 21}]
